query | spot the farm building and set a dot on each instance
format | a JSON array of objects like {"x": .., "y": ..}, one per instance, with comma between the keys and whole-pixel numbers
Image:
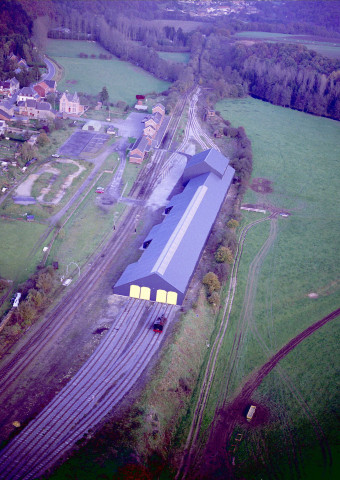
[{"x": 173, "y": 247}]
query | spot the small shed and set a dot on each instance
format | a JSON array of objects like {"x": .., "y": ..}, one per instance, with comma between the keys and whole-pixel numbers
[
  {"x": 111, "y": 130},
  {"x": 92, "y": 125}
]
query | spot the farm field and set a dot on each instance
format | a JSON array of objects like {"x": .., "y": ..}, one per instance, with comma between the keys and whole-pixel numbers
[
  {"x": 122, "y": 80},
  {"x": 328, "y": 48},
  {"x": 298, "y": 154}
]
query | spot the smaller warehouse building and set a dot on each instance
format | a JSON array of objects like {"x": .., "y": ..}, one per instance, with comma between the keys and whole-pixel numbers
[{"x": 173, "y": 247}]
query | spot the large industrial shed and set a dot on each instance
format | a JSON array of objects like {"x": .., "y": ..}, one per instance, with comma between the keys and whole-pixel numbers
[{"x": 173, "y": 247}]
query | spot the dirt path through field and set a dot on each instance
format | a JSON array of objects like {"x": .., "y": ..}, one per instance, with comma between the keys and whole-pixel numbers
[{"x": 215, "y": 459}]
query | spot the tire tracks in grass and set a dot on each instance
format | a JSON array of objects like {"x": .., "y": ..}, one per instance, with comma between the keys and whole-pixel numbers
[
  {"x": 192, "y": 439},
  {"x": 215, "y": 457}
]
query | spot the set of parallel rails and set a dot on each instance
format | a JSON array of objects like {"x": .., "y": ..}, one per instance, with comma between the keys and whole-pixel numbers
[{"x": 100, "y": 384}]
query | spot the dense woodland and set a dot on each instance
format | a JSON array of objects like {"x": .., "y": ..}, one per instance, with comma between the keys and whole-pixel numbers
[
  {"x": 283, "y": 74},
  {"x": 16, "y": 31}
]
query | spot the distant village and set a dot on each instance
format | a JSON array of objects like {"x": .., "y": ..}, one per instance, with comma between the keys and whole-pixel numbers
[
  {"x": 208, "y": 8},
  {"x": 28, "y": 103}
]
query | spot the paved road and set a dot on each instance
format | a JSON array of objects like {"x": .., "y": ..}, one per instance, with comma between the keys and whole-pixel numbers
[{"x": 50, "y": 70}]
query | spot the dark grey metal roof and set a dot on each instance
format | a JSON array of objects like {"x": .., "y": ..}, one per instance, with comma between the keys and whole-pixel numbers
[{"x": 176, "y": 244}]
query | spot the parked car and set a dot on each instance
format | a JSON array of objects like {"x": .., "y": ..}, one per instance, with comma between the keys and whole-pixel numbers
[
  {"x": 55, "y": 155},
  {"x": 100, "y": 190}
]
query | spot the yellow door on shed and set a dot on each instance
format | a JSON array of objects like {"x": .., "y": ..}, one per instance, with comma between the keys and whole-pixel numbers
[
  {"x": 145, "y": 293},
  {"x": 135, "y": 291},
  {"x": 172, "y": 298},
  {"x": 161, "y": 296}
]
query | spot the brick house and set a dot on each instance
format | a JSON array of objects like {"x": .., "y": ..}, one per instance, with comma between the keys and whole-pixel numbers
[
  {"x": 70, "y": 104},
  {"x": 152, "y": 124},
  {"x": 45, "y": 87},
  {"x": 159, "y": 108},
  {"x": 141, "y": 146}
]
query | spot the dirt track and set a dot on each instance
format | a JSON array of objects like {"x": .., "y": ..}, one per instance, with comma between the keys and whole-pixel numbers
[{"x": 215, "y": 459}]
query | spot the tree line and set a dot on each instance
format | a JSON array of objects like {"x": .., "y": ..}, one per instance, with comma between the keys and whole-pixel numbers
[{"x": 283, "y": 74}]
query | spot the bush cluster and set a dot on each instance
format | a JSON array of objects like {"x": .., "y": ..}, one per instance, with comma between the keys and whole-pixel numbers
[{"x": 36, "y": 293}]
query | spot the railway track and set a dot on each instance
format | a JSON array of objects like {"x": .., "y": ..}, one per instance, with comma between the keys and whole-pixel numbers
[
  {"x": 89, "y": 396},
  {"x": 72, "y": 301},
  {"x": 108, "y": 374}
]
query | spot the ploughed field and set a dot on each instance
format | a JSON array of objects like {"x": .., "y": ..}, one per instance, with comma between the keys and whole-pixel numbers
[
  {"x": 283, "y": 289},
  {"x": 89, "y": 75}
]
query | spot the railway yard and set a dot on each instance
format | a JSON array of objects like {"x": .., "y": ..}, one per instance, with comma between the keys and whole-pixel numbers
[
  {"x": 119, "y": 359},
  {"x": 113, "y": 355}
]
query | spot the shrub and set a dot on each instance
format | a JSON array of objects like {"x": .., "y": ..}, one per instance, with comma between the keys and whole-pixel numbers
[
  {"x": 230, "y": 240},
  {"x": 212, "y": 282},
  {"x": 232, "y": 223},
  {"x": 27, "y": 312},
  {"x": 223, "y": 254},
  {"x": 214, "y": 299}
]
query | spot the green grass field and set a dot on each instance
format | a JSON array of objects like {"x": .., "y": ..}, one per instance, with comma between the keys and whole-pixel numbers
[
  {"x": 86, "y": 229},
  {"x": 17, "y": 239},
  {"x": 122, "y": 80},
  {"x": 328, "y": 49},
  {"x": 185, "y": 25},
  {"x": 178, "y": 57},
  {"x": 299, "y": 154}
]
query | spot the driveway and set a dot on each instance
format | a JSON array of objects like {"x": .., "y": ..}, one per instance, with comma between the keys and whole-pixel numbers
[{"x": 132, "y": 126}]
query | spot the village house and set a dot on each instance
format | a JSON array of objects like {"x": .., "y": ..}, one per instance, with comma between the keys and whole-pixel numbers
[
  {"x": 45, "y": 87},
  {"x": 6, "y": 110},
  {"x": 4, "y": 116},
  {"x": 142, "y": 145},
  {"x": 9, "y": 87},
  {"x": 27, "y": 93},
  {"x": 152, "y": 124},
  {"x": 35, "y": 109},
  {"x": 159, "y": 108},
  {"x": 21, "y": 65},
  {"x": 70, "y": 104}
]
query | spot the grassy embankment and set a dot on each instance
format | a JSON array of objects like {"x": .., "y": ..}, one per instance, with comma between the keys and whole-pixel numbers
[
  {"x": 122, "y": 80},
  {"x": 326, "y": 48},
  {"x": 298, "y": 153}
]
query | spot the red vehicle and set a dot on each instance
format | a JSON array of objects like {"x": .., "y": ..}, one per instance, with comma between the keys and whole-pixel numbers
[
  {"x": 100, "y": 190},
  {"x": 159, "y": 324}
]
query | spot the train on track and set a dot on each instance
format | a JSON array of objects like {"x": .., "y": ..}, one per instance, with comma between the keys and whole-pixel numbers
[{"x": 159, "y": 324}]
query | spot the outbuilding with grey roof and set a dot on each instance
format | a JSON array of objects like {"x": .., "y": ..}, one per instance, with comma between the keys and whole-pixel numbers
[{"x": 173, "y": 247}]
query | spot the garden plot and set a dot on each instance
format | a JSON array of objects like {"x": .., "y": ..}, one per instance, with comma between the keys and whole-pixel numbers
[{"x": 54, "y": 181}]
